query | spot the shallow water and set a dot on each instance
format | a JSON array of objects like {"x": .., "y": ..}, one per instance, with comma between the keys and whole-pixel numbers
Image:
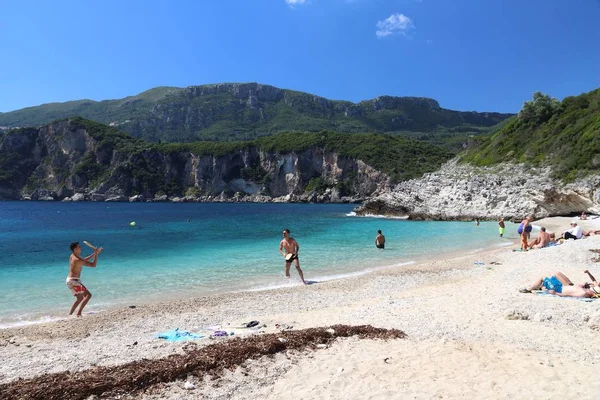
[{"x": 191, "y": 249}]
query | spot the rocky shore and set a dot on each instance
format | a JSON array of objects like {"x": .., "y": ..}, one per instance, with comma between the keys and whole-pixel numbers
[{"x": 465, "y": 192}]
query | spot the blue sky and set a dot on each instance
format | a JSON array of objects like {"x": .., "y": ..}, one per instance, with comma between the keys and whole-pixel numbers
[{"x": 484, "y": 55}]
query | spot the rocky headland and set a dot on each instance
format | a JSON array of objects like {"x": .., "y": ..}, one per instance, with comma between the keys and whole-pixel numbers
[{"x": 460, "y": 191}]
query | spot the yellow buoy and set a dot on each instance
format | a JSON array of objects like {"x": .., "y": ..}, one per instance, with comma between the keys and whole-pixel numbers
[{"x": 132, "y": 223}]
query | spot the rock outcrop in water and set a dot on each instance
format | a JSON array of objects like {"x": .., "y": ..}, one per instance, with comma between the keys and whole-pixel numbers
[
  {"x": 63, "y": 161},
  {"x": 464, "y": 192}
]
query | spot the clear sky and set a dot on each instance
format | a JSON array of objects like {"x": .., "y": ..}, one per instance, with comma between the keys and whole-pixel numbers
[{"x": 484, "y": 55}]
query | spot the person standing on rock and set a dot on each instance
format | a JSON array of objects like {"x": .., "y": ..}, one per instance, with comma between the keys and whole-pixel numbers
[
  {"x": 290, "y": 254},
  {"x": 501, "y": 226},
  {"x": 380, "y": 240}
]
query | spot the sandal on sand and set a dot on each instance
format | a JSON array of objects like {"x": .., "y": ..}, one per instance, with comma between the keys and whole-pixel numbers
[{"x": 524, "y": 290}]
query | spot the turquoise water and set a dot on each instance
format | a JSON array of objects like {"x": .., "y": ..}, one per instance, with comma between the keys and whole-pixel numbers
[{"x": 223, "y": 247}]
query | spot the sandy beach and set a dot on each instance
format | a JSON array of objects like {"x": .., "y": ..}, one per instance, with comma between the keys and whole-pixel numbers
[{"x": 470, "y": 333}]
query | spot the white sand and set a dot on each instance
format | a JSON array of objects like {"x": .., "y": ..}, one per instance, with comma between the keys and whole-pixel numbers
[{"x": 461, "y": 342}]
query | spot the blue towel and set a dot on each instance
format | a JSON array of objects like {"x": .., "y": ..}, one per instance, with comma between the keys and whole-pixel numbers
[
  {"x": 176, "y": 335},
  {"x": 546, "y": 293}
]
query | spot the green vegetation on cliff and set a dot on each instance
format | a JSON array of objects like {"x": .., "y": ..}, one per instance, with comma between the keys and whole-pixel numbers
[
  {"x": 398, "y": 157},
  {"x": 233, "y": 112},
  {"x": 564, "y": 135}
]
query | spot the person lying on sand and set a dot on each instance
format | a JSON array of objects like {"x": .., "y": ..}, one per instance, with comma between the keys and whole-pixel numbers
[
  {"x": 591, "y": 233},
  {"x": 560, "y": 285},
  {"x": 76, "y": 263},
  {"x": 543, "y": 240}
]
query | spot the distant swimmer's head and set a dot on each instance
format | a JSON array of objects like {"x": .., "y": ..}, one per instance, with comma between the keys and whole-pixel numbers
[
  {"x": 379, "y": 231},
  {"x": 286, "y": 232},
  {"x": 75, "y": 248}
]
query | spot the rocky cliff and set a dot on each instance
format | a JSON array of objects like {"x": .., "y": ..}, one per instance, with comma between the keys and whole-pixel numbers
[
  {"x": 464, "y": 192},
  {"x": 75, "y": 160},
  {"x": 241, "y": 111}
]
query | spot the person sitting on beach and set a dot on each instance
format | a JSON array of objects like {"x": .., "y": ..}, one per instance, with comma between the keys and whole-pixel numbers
[
  {"x": 380, "y": 240},
  {"x": 543, "y": 240},
  {"x": 583, "y": 216},
  {"x": 501, "y": 226},
  {"x": 574, "y": 233},
  {"x": 76, "y": 263},
  {"x": 291, "y": 248},
  {"x": 560, "y": 285}
]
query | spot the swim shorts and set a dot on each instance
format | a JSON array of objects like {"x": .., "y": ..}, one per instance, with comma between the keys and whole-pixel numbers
[
  {"x": 292, "y": 258},
  {"x": 501, "y": 231},
  {"x": 380, "y": 245},
  {"x": 553, "y": 283},
  {"x": 76, "y": 286}
]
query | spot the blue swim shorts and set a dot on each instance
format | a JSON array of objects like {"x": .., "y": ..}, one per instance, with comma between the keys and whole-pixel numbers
[{"x": 553, "y": 283}]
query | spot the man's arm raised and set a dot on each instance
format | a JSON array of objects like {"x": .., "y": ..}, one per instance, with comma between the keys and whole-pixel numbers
[
  {"x": 92, "y": 264},
  {"x": 590, "y": 275}
]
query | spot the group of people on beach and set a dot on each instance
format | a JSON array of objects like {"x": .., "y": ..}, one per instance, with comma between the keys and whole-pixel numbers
[
  {"x": 557, "y": 284},
  {"x": 544, "y": 238},
  {"x": 288, "y": 247}
]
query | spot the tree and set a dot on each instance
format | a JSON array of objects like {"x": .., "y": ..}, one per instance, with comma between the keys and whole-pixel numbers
[{"x": 540, "y": 109}]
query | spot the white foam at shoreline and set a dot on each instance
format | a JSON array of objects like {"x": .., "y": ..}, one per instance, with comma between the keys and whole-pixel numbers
[
  {"x": 40, "y": 320},
  {"x": 326, "y": 278},
  {"x": 353, "y": 214}
]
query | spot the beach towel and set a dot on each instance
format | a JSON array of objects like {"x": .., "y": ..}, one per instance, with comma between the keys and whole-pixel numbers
[
  {"x": 176, "y": 335},
  {"x": 548, "y": 294}
]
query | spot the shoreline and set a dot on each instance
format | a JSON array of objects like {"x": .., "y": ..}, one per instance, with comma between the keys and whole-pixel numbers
[
  {"x": 449, "y": 307},
  {"x": 57, "y": 314}
]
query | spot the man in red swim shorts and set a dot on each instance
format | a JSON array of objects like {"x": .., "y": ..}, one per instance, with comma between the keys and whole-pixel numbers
[{"x": 76, "y": 263}]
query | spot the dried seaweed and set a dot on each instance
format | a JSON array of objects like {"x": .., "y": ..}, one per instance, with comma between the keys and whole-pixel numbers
[{"x": 213, "y": 359}]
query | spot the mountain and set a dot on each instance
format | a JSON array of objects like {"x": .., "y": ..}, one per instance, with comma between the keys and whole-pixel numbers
[
  {"x": 563, "y": 135},
  {"x": 81, "y": 159},
  {"x": 233, "y": 111},
  {"x": 543, "y": 162}
]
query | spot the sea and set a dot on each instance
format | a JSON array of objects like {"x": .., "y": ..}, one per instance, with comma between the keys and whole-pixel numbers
[{"x": 183, "y": 250}]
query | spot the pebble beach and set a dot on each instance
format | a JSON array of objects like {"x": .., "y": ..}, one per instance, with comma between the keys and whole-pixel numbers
[{"x": 470, "y": 333}]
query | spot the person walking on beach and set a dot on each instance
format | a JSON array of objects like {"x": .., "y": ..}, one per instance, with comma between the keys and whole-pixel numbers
[
  {"x": 290, "y": 254},
  {"x": 501, "y": 226},
  {"x": 524, "y": 231},
  {"x": 76, "y": 263},
  {"x": 380, "y": 240}
]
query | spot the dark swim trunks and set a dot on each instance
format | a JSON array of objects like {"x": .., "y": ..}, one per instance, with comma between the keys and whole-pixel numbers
[
  {"x": 292, "y": 258},
  {"x": 380, "y": 245}
]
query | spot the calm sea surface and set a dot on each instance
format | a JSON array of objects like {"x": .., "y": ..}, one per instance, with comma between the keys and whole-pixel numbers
[{"x": 191, "y": 249}]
